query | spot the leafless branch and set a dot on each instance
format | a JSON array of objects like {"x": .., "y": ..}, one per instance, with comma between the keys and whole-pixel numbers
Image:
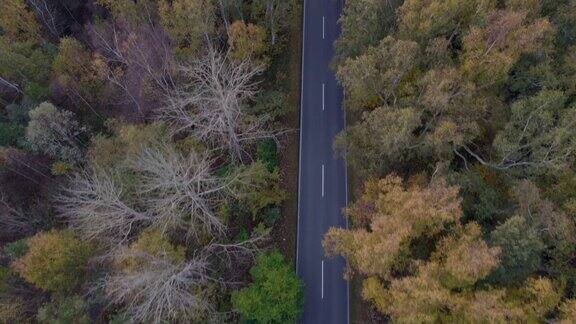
[
  {"x": 210, "y": 105},
  {"x": 180, "y": 190},
  {"x": 93, "y": 205}
]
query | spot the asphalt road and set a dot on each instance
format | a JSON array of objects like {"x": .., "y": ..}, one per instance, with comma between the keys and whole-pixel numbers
[{"x": 322, "y": 184}]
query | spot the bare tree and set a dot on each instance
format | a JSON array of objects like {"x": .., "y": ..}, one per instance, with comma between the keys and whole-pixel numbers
[
  {"x": 180, "y": 191},
  {"x": 210, "y": 104},
  {"x": 160, "y": 290},
  {"x": 93, "y": 205},
  {"x": 14, "y": 220},
  {"x": 175, "y": 191}
]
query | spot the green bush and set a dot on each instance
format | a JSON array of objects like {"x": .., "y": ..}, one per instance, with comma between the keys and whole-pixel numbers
[
  {"x": 36, "y": 92},
  {"x": 267, "y": 152},
  {"x": 71, "y": 310},
  {"x": 16, "y": 250},
  {"x": 272, "y": 215},
  {"x": 275, "y": 295},
  {"x": 272, "y": 103},
  {"x": 10, "y": 134},
  {"x": 18, "y": 114}
]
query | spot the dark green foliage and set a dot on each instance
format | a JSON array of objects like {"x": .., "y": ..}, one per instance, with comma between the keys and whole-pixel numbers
[
  {"x": 484, "y": 196},
  {"x": 26, "y": 64},
  {"x": 275, "y": 294},
  {"x": 530, "y": 75},
  {"x": 11, "y": 134},
  {"x": 70, "y": 310},
  {"x": 19, "y": 113},
  {"x": 521, "y": 249},
  {"x": 5, "y": 275},
  {"x": 273, "y": 103},
  {"x": 16, "y": 250},
  {"x": 242, "y": 235},
  {"x": 121, "y": 318},
  {"x": 267, "y": 153},
  {"x": 36, "y": 92},
  {"x": 272, "y": 215}
]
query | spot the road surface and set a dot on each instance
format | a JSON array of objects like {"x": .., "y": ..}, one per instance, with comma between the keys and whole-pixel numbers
[{"x": 322, "y": 178}]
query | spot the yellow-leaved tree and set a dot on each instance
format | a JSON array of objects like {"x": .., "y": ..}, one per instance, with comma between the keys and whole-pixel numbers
[{"x": 421, "y": 264}]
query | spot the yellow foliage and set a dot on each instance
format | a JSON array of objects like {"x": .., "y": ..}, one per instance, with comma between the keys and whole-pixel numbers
[
  {"x": 126, "y": 143},
  {"x": 466, "y": 258},
  {"x": 491, "y": 51},
  {"x": 150, "y": 243},
  {"x": 442, "y": 287},
  {"x": 12, "y": 311},
  {"x": 422, "y": 19},
  {"x": 17, "y": 22},
  {"x": 417, "y": 299},
  {"x": 55, "y": 261},
  {"x": 568, "y": 312},
  {"x": 60, "y": 168},
  {"x": 247, "y": 41},
  {"x": 397, "y": 216}
]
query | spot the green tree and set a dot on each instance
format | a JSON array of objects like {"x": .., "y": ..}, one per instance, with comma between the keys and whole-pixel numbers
[
  {"x": 17, "y": 249},
  {"x": 427, "y": 19},
  {"x": 267, "y": 153},
  {"x": 271, "y": 103},
  {"x": 378, "y": 76},
  {"x": 275, "y": 295},
  {"x": 275, "y": 15},
  {"x": 25, "y": 67},
  {"x": 55, "y": 261},
  {"x": 11, "y": 134},
  {"x": 135, "y": 12},
  {"x": 556, "y": 229},
  {"x": 442, "y": 94},
  {"x": 260, "y": 187},
  {"x": 383, "y": 138},
  {"x": 485, "y": 195},
  {"x": 539, "y": 135},
  {"x": 74, "y": 69},
  {"x": 364, "y": 23},
  {"x": 188, "y": 22},
  {"x": 69, "y": 310},
  {"x": 491, "y": 51},
  {"x": 521, "y": 249}
]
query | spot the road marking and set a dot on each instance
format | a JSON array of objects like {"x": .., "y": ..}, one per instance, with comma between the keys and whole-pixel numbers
[
  {"x": 322, "y": 279},
  {"x": 323, "y": 27},
  {"x": 322, "y": 96},
  {"x": 322, "y": 180}
]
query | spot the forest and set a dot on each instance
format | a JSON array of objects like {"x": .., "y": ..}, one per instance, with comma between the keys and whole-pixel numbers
[
  {"x": 461, "y": 145},
  {"x": 140, "y": 167}
]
